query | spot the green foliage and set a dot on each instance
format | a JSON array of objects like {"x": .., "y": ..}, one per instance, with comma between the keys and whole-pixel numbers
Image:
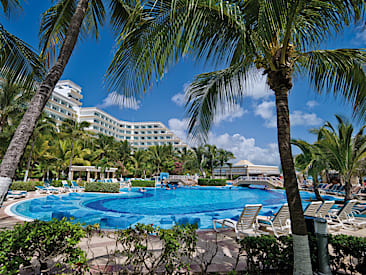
[
  {"x": 267, "y": 253},
  {"x": 143, "y": 183},
  {"x": 102, "y": 187},
  {"x": 27, "y": 186},
  {"x": 177, "y": 247},
  {"x": 212, "y": 182},
  {"x": 42, "y": 241},
  {"x": 349, "y": 253}
]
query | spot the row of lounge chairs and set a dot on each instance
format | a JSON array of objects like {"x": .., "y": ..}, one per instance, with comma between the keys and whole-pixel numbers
[
  {"x": 250, "y": 223},
  {"x": 337, "y": 189},
  {"x": 48, "y": 189}
]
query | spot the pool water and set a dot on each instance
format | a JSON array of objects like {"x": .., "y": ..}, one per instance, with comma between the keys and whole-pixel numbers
[{"x": 158, "y": 207}]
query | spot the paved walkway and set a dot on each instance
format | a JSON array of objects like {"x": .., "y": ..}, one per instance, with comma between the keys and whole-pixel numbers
[{"x": 221, "y": 247}]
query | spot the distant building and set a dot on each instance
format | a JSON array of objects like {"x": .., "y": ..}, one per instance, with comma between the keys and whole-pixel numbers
[
  {"x": 246, "y": 168},
  {"x": 65, "y": 103}
]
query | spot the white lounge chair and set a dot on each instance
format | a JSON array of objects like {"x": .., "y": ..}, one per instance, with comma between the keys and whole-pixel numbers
[
  {"x": 324, "y": 209},
  {"x": 344, "y": 217},
  {"x": 312, "y": 208},
  {"x": 246, "y": 223},
  {"x": 280, "y": 223}
]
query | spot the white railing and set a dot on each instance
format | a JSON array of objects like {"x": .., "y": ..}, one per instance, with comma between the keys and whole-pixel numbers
[{"x": 275, "y": 181}]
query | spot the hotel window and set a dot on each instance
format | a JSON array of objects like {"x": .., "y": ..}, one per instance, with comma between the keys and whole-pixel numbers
[
  {"x": 156, "y": 126},
  {"x": 142, "y": 143},
  {"x": 149, "y": 126},
  {"x": 148, "y": 143},
  {"x": 155, "y": 137},
  {"x": 128, "y": 126},
  {"x": 155, "y": 132},
  {"x": 136, "y": 127},
  {"x": 167, "y": 137},
  {"x": 143, "y": 127},
  {"x": 163, "y": 132},
  {"x": 176, "y": 142},
  {"x": 161, "y": 137},
  {"x": 128, "y": 132},
  {"x": 142, "y": 132},
  {"x": 136, "y": 133},
  {"x": 148, "y": 137},
  {"x": 128, "y": 137},
  {"x": 149, "y": 132},
  {"x": 142, "y": 137}
]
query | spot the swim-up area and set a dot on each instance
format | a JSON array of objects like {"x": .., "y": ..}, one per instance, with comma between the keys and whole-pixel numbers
[{"x": 159, "y": 207}]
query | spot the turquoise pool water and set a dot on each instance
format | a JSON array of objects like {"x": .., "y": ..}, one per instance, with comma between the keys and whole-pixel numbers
[{"x": 158, "y": 207}]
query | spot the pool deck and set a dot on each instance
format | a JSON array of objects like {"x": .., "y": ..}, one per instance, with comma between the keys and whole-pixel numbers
[{"x": 208, "y": 243}]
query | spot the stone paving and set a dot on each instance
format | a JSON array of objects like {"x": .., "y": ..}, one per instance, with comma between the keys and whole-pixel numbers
[{"x": 224, "y": 259}]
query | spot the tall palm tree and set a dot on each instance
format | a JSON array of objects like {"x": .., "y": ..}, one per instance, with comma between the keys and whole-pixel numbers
[
  {"x": 123, "y": 149},
  {"x": 223, "y": 157},
  {"x": 60, "y": 29},
  {"x": 139, "y": 159},
  {"x": 211, "y": 155},
  {"x": 74, "y": 130},
  {"x": 280, "y": 38},
  {"x": 311, "y": 161},
  {"x": 344, "y": 151},
  {"x": 200, "y": 158},
  {"x": 45, "y": 125}
]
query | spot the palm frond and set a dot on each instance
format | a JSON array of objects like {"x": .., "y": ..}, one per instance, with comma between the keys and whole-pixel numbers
[
  {"x": 94, "y": 18},
  {"x": 18, "y": 61},
  {"x": 10, "y": 6},
  {"x": 54, "y": 25},
  {"x": 212, "y": 94},
  {"x": 339, "y": 72}
]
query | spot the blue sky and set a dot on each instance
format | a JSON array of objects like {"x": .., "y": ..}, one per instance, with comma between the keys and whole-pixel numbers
[{"x": 248, "y": 131}]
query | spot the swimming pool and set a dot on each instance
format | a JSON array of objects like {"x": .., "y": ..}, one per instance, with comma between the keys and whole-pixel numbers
[{"x": 158, "y": 207}]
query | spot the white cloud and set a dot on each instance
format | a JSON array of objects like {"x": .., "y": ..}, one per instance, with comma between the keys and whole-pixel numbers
[
  {"x": 240, "y": 146},
  {"x": 257, "y": 87},
  {"x": 360, "y": 36},
  {"x": 308, "y": 119},
  {"x": 115, "y": 99},
  {"x": 245, "y": 148},
  {"x": 227, "y": 114},
  {"x": 266, "y": 110},
  {"x": 179, "y": 99},
  {"x": 312, "y": 103}
]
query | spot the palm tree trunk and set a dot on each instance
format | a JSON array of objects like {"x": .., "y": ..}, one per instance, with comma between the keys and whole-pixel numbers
[
  {"x": 29, "y": 160},
  {"x": 316, "y": 190},
  {"x": 347, "y": 185},
  {"x": 302, "y": 262},
  {"x": 71, "y": 153},
  {"x": 25, "y": 129}
]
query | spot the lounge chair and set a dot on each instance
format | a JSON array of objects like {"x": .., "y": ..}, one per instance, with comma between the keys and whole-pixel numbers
[
  {"x": 312, "y": 208},
  {"x": 324, "y": 209},
  {"x": 51, "y": 189},
  {"x": 345, "y": 218},
  {"x": 41, "y": 189},
  {"x": 280, "y": 223},
  {"x": 76, "y": 187},
  {"x": 246, "y": 222},
  {"x": 67, "y": 187},
  {"x": 16, "y": 194}
]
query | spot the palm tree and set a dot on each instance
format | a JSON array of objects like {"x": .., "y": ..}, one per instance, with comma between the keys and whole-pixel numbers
[
  {"x": 344, "y": 151},
  {"x": 311, "y": 161},
  {"x": 223, "y": 157},
  {"x": 74, "y": 130},
  {"x": 13, "y": 101},
  {"x": 200, "y": 158},
  {"x": 45, "y": 125},
  {"x": 138, "y": 159},
  {"x": 123, "y": 149},
  {"x": 280, "y": 38},
  {"x": 211, "y": 155},
  {"x": 60, "y": 29}
]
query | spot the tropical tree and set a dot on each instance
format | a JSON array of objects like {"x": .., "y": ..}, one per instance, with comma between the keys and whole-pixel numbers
[
  {"x": 280, "y": 38},
  {"x": 74, "y": 130},
  {"x": 139, "y": 159},
  {"x": 200, "y": 158},
  {"x": 344, "y": 151},
  {"x": 45, "y": 125},
  {"x": 223, "y": 157},
  {"x": 311, "y": 162},
  {"x": 13, "y": 101},
  {"x": 211, "y": 155},
  {"x": 60, "y": 29},
  {"x": 123, "y": 155}
]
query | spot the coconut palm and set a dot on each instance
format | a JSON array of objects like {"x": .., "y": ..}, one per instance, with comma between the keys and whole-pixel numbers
[
  {"x": 280, "y": 38},
  {"x": 74, "y": 130},
  {"x": 200, "y": 158},
  {"x": 223, "y": 157},
  {"x": 311, "y": 162},
  {"x": 139, "y": 159},
  {"x": 211, "y": 154},
  {"x": 60, "y": 29},
  {"x": 14, "y": 98},
  {"x": 45, "y": 125},
  {"x": 344, "y": 151}
]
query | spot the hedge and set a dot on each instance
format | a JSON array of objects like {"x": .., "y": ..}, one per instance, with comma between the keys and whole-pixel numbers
[
  {"x": 143, "y": 183},
  {"x": 212, "y": 182},
  {"x": 102, "y": 187},
  {"x": 27, "y": 186}
]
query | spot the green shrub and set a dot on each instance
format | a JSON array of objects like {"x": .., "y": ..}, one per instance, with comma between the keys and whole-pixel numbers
[
  {"x": 102, "y": 187},
  {"x": 349, "y": 253},
  {"x": 212, "y": 182},
  {"x": 27, "y": 186},
  {"x": 143, "y": 183},
  {"x": 40, "y": 241}
]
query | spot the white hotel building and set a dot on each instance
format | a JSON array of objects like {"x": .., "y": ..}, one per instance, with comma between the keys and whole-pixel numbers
[{"x": 65, "y": 102}]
